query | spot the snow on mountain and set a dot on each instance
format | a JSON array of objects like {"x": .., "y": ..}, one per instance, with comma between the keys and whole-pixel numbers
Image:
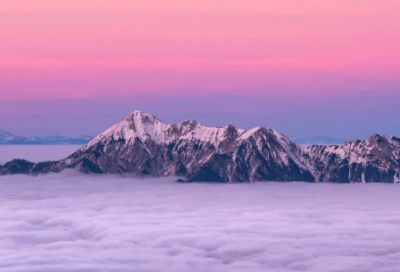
[
  {"x": 143, "y": 145},
  {"x": 375, "y": 159},
  {"x": 144, "y": 127}
]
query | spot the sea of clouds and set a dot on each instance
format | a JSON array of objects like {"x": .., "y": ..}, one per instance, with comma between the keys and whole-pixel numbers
[{"x": 87, "y": 223}]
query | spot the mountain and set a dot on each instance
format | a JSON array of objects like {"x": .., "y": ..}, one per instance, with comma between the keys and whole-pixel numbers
[
  {"x": 143, "y": 145},
  {"x": 375, "y": 159},
  {"x": 5, "y": 134},
  {"x": 7, "y": 138},
  {"x": 320, "y": 140}
]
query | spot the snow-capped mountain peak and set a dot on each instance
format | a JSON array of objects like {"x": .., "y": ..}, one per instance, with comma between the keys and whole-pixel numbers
[
  {"x": 136, "y": 125},
  {"x": 145, "y": 127},
  {"x": 144, "y": 145}
]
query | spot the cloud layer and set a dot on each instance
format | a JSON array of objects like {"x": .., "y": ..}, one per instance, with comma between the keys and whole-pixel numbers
[{"x": 70, "y": 222}]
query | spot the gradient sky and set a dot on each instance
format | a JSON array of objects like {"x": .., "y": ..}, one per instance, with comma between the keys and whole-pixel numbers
[{"x": 257, "y": 62}]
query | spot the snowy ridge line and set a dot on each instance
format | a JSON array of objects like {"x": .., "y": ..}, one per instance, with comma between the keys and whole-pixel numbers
[
  {"x": 145, "y": 126},
  {"x": 143, "y": 145}
]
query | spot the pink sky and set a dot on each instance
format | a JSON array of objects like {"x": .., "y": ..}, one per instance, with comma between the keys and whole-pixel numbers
[{"x": 81, "y": 48}]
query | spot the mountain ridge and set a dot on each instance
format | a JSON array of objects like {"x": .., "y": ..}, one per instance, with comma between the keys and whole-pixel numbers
[{"x": 143, "y": 145}]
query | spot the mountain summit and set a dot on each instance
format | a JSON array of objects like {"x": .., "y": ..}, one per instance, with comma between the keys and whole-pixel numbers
[{"x": 143, "y": 145}]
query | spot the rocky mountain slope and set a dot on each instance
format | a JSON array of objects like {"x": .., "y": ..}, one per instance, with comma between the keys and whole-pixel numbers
[
  {"x": 143, "y": 145},
  {"x": 375, "y": 159}
]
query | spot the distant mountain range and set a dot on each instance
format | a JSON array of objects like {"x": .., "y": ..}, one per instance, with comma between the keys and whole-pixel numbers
[
  {"x": 143, "y": 145},
  {"x": 318, "y": 141},
  {"x": 7, "y": 138}
]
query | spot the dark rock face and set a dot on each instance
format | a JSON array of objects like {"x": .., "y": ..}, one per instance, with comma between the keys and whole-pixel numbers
[
  {"x": 16, "y": 166},
  {"x": 143, "y": 145}
]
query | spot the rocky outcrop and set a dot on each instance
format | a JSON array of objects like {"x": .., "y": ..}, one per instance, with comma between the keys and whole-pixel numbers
[
  {"x": 374, "y": 160},
  {"x": 143, "y": 145}
]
